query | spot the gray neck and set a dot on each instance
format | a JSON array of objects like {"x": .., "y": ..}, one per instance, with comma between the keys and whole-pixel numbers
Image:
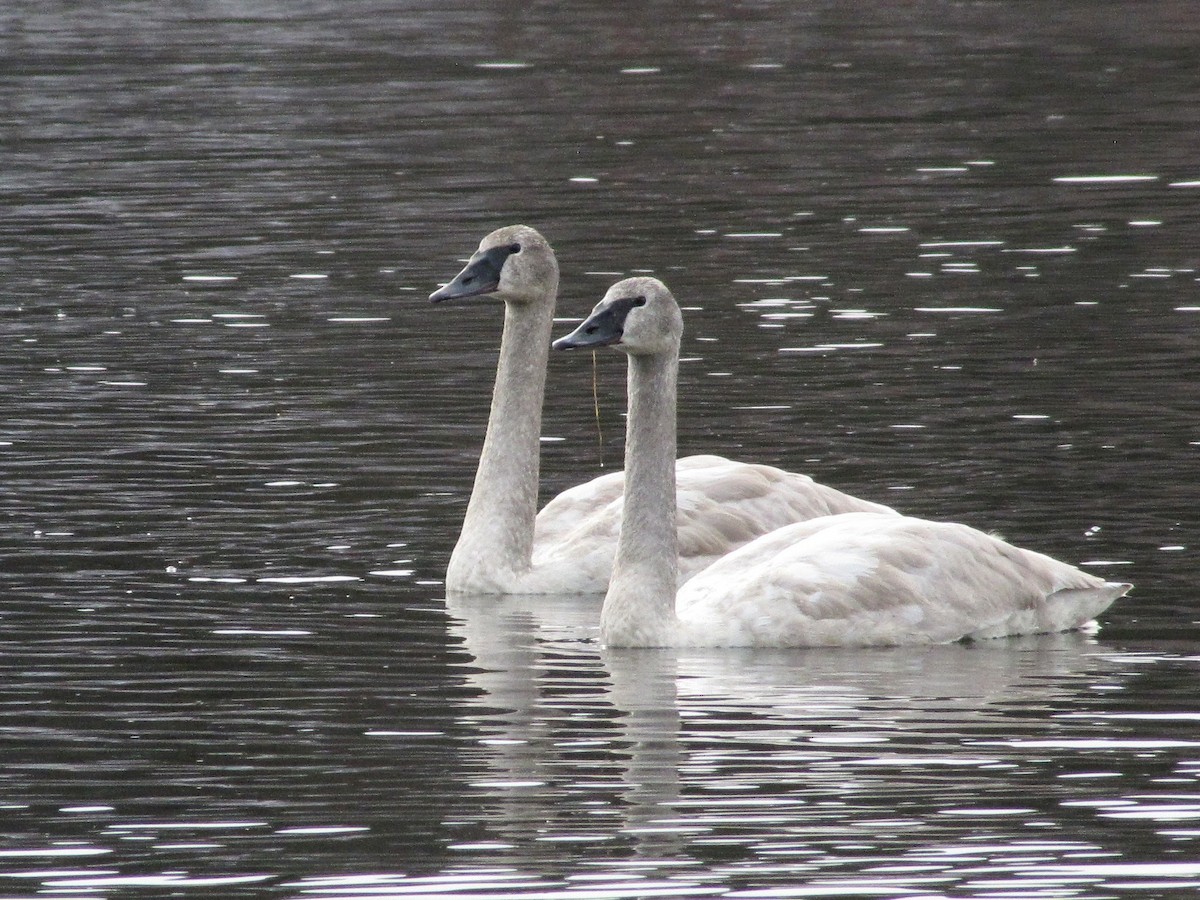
[
  {"x": 497, "y": 532},
  {"x": 639, "y": 609}
]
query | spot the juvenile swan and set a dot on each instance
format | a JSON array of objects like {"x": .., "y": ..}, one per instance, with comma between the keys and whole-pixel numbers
[
  {"x": 569, "y": 546},
  {"x": 855, "y": 579}
]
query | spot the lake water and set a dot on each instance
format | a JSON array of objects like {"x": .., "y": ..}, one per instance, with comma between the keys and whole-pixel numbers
[{"x": 941, "y": 255}]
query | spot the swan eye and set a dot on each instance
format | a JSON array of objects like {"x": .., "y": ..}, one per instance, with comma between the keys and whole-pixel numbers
[
  {"x": 639, "y": 301},
  {"x": 514, "y": 248}
]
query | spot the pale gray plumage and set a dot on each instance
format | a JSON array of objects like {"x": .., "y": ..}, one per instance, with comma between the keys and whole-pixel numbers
[
  {"x": 506, "y": 546},
  {"x": 853, "y": 579},
  {"x": 721, "y": 506}
]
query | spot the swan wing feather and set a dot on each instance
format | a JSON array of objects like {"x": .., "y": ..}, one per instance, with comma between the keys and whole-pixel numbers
[{"x": 722, "y": 505}]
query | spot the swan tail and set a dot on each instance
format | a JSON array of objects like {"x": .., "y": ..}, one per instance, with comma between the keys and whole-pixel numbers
[
  {"x": 1068, "y": 609},
  {"x": 1072, "y": 607}
]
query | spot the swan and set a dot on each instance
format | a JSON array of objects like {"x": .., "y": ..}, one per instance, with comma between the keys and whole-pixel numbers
[
  {"x": 506, "y": 546},
  {"x": 853, "y": 579}
]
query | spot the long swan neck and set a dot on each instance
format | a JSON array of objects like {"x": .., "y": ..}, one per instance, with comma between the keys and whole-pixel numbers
[
  {"x": 639, "y": 609},
  {"x": 497, "y": 533}
]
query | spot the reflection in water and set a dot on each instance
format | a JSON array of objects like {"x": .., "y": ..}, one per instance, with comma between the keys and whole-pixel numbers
[
  {"x": 670, "y": 772},
  {"x": 943, "y": 262}
]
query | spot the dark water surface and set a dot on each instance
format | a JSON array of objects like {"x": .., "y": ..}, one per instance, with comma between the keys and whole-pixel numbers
[{"x": 941, "y": 255}]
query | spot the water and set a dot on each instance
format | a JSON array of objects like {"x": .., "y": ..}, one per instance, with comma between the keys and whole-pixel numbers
[{"x": 941, "y": 256}]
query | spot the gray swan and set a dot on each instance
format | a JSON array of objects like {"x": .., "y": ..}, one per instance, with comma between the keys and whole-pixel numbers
[
  {"x": 506, "y": 546},
  {"x": 854, "y": 579}
]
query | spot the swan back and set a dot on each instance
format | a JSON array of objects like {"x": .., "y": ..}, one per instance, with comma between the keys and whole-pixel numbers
[
  {"x": 721, "y": 504},
  {"x": 863, "y": 579}
]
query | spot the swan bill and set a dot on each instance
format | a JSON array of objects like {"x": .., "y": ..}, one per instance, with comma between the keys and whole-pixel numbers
[
  {"x": 605, "y": 326},
  {"x": 480, "y": 276}
]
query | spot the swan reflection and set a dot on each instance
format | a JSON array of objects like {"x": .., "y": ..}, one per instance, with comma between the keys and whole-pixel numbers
[{"x": 658, "y": 754}]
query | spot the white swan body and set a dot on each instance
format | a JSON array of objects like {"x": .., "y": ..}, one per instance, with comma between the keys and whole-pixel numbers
[
  {"x": 854, "y": 579},
  {"x": 506, "y": 546},
  {"x": 861, "y": 579}
]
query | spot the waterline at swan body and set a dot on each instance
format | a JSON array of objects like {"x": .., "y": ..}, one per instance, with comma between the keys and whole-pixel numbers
[
  {"x": 506, "y": 546},
  {"x": 854, "y": 579}
]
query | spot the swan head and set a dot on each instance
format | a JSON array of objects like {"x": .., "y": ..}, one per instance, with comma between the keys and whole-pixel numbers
[
  {"x": 514, "y": 264},
  {"x": 637, "y": 315}
]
